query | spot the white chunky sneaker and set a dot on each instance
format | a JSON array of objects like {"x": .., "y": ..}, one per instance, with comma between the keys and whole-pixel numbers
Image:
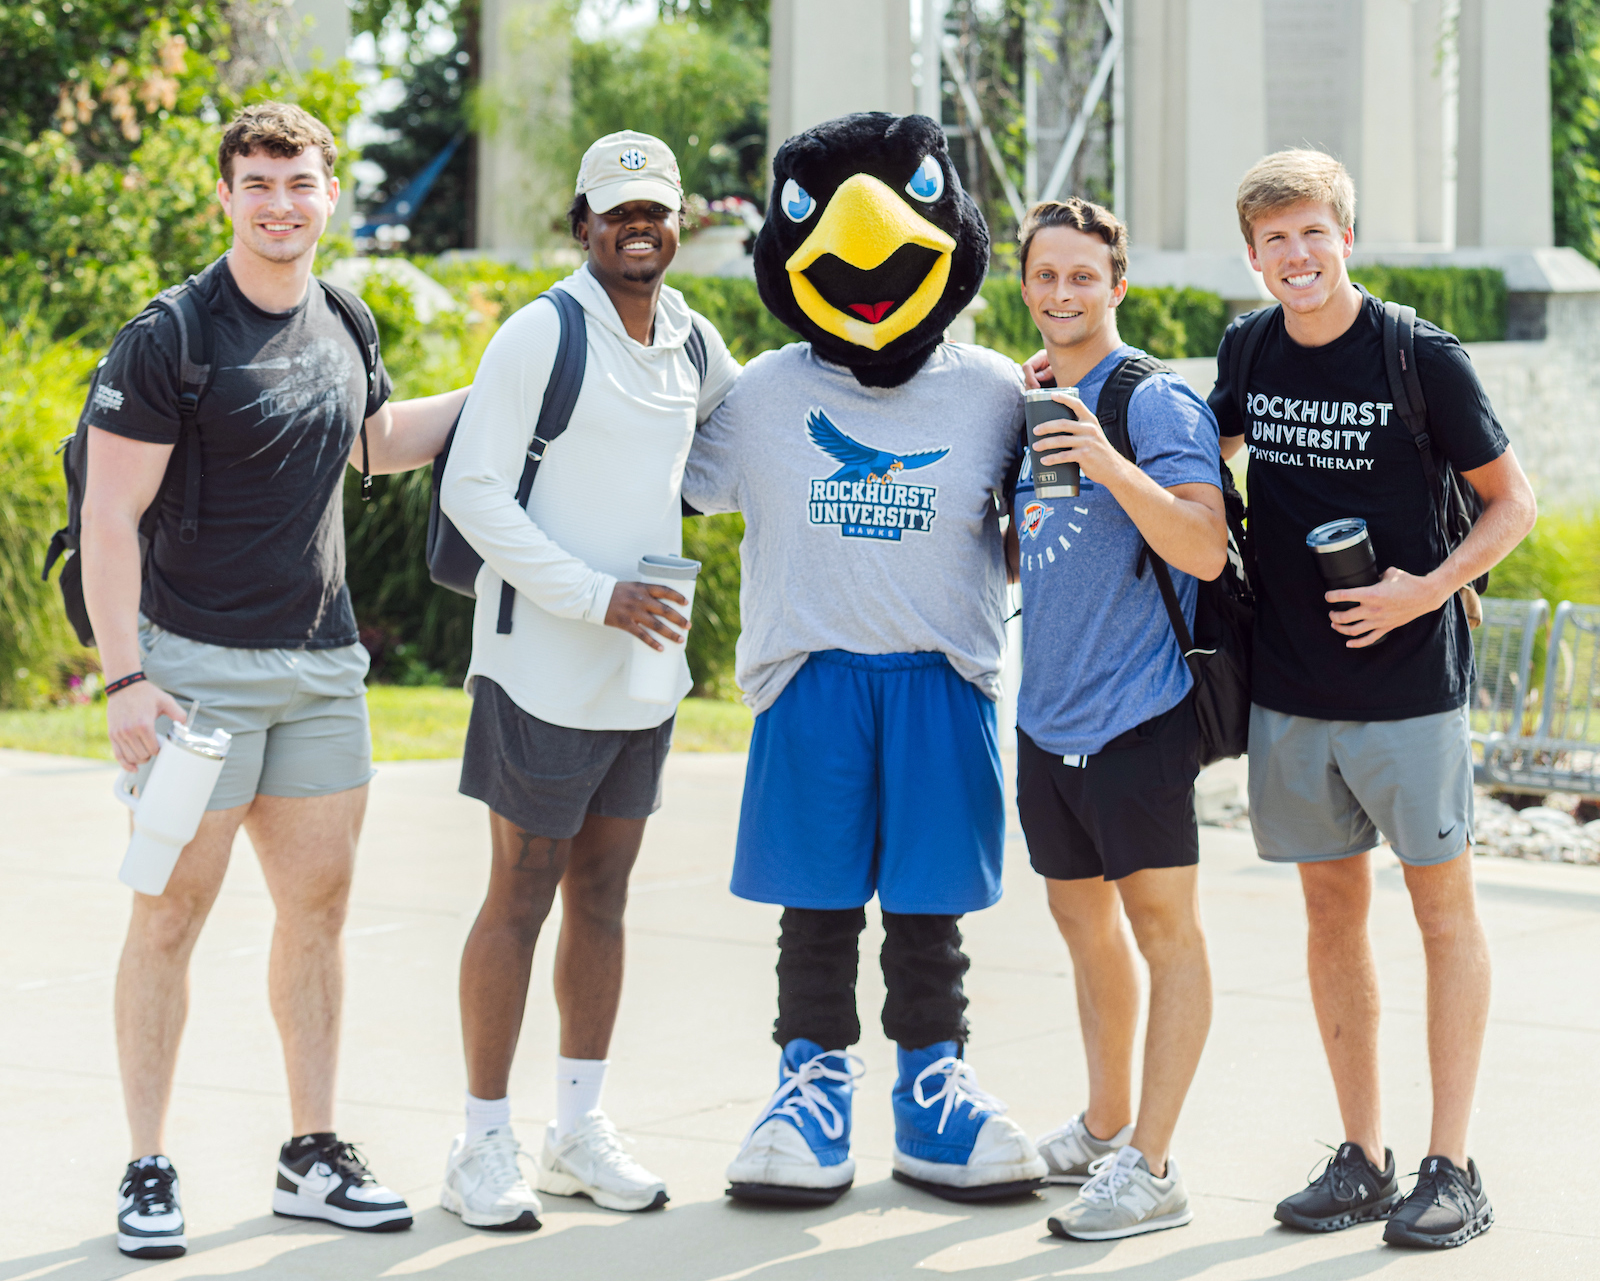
[
  {"x": 1123, "y": 1199},
  {"x": 1071, "y": 1150},
  {"x": 484, "y": 1185},
  {"x": 591, "y": 1162},
  {"x": 798, "y": 1151}
]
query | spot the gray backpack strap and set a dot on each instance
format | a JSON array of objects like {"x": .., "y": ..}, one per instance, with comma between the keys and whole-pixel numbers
[{"x": 695, "y": 348}]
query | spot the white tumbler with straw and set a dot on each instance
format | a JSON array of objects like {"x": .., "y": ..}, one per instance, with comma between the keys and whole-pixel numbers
[
  {"x": 168, "y": 809},
  {"x": 654, "y": 675}
]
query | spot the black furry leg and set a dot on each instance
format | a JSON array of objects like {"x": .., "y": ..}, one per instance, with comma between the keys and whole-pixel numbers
[
  {"x": 818, "y": 956},
  {"x": 923, "y": 968}
]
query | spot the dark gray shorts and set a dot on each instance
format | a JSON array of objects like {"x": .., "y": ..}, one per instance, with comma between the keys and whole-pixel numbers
[
  {"x": 547, "y": 778},
  {"x": 1323, "y": 790}
]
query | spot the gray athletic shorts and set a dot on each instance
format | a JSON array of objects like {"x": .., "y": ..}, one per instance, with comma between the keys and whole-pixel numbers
[
  {"x": 1323, "y": 790},
  {"x": 298, "y": 716},
  {"x": 547, "y": 778}
]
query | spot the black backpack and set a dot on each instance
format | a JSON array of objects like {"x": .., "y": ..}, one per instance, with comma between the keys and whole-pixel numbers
[
  {"x": 1456, "y": 504},
  {"x": 186, "y": 305},
  {"x": 1218, "y": 653},
  {"x": 452, "y": 561}
]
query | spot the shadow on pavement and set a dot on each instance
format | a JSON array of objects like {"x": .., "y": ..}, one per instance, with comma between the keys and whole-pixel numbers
[{"x": 879, "y": 1230}]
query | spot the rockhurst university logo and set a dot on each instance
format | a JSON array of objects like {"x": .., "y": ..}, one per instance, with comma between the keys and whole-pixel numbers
[
  {"x": 1333, "y": 426},
  {"x": 868, "y": 497}
]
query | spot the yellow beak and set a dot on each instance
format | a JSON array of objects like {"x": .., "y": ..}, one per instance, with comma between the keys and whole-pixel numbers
[{"x": 862, "y": 226}]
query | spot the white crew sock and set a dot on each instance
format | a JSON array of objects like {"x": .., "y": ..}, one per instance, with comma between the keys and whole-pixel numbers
[
  {"x": 484, "y": 1115},
  {"x": 578, "y": 1086}
]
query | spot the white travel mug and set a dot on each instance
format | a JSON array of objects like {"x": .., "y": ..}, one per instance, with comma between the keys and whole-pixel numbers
[
  {"x": 168, "y": 809},
  {"x": 655, "y": 674}
]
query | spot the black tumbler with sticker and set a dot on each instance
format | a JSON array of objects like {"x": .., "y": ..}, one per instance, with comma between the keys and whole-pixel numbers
[
  {"x": 1050, "y": 480},
  {"x": 1344, "y": 555}
]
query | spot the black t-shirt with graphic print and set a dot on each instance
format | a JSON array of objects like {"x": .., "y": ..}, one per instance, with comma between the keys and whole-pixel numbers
[
  {"x": 266, "y": 570},
  {"x": 1325, "y": 442}
]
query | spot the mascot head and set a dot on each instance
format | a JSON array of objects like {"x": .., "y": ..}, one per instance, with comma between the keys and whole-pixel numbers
[{"x": 871, "y": 246}]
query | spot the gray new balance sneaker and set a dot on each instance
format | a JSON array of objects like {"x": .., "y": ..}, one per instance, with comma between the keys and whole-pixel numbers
[
  {"x": 1069, "y": 1151},
  {"x": 1123, "y": 1199}
]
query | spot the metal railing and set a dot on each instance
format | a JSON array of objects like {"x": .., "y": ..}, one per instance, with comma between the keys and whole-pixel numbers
[{"x": 1562, "y": 751}]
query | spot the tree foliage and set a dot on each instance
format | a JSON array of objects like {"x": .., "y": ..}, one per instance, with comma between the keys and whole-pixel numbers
[
  {"x": 107, "y": 146},
  {"x": 701, "y": 89},
  {"x": 1575, "y": 123}
]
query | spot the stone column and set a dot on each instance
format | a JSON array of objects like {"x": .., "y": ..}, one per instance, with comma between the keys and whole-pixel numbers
[
  {"x": 525, "y": 176},
  {"x": 830, "y": 57},
  {"x": 1227, "y": 118}
]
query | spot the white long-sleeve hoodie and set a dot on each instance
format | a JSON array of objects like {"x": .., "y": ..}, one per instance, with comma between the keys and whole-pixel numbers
[{"x": 607, "y": 492}]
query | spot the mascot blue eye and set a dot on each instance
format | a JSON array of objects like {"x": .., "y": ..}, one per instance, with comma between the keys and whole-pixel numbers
[
  {"x": 796, "y": 201},
  {"x": 927, "y": 184}
]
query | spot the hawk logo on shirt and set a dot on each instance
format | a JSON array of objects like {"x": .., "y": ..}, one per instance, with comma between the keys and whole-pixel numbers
[{"x": 868, "y": 497}]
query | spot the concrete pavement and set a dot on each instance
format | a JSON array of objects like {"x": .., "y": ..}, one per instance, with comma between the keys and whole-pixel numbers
[{"x": 693, "y": 1061}]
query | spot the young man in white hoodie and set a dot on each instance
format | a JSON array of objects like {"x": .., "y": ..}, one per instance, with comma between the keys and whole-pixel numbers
[{"x": 568, "y": 764}]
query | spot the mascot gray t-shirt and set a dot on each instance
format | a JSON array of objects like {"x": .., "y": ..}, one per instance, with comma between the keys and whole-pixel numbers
[{"x": 872, "y": 517}]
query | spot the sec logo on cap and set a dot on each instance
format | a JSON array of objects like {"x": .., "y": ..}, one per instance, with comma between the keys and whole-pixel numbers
[{"x": 632, "y": 158}]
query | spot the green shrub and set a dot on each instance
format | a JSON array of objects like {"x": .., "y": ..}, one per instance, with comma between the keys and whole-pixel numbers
[
  {"x": 41, "y": 391},
  {"x": 1559, "y": 560},
  {"x": 1169, "y": 323},
  {"x": 1468, "y": 301},
  {"x": 714, "y": 542}
]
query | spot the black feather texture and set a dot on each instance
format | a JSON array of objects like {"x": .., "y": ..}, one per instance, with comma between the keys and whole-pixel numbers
[{"x": 889, "y": 148}]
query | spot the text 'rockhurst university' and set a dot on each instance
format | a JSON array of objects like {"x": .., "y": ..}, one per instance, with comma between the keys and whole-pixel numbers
[
  {"x": 1315, "y": 424},
  {"x": 866, "y": 509}
]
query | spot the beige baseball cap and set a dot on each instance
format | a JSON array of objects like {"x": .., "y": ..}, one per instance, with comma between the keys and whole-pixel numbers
[{"x": 629, "y": 166}]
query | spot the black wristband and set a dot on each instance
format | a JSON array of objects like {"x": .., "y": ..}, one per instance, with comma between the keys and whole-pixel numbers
[{"x": 123, "y": 684}]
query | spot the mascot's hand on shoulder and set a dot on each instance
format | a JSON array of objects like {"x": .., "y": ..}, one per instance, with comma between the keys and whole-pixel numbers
[{"x": 871, "y": 246}]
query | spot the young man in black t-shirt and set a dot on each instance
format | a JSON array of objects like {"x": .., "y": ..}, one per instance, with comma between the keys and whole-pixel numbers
[
  {"x": 1350, "y": 737},
  {"x": 249, "y": 617}
]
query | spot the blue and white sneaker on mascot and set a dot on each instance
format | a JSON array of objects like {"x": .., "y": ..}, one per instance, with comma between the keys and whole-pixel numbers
[
  {"x": 798, "y": 1151},
  {"x": 951, "y": 1138}
]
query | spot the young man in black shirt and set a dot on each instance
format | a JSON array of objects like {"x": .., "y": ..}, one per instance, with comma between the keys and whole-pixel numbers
[
  {"x": 249, "y": 617},
  {"x": 1350, "y": 736}
]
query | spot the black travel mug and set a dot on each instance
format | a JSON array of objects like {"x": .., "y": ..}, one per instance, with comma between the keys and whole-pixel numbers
[
  {"x": 1344, "y": 555},
  {"x": 1057, "y": 480}
]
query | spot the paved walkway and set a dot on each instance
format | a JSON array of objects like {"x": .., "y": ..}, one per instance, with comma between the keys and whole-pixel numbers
[{"x": 692, "y": 1062}]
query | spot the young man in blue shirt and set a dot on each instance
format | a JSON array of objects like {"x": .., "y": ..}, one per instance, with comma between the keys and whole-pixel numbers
[{"x": 1107, "y": 741}]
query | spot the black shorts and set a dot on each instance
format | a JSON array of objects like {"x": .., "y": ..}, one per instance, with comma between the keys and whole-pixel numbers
[
  {"x": 1128, "y": 807},
  {"x": 547, "y": 778}
]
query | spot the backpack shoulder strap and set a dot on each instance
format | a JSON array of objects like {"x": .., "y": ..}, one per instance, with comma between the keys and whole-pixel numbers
[
  {"x": 1112, "y": 407},
  {"x": 197, "y": 353},
  {"x": 1400, "y": 363},
  {"x": 560, "y": 396},
  {"x": 695, "y": 348},
  {"x": 361, "y": 323},
  {"x": 1247, "y": 341}
]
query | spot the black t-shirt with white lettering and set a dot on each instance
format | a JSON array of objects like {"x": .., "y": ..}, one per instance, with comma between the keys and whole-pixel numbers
[
  {"x": 266, "y": 570},
  {"x": 1325, "y": 442}
]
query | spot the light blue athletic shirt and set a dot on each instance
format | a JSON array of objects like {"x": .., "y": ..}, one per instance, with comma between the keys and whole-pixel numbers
[{"x": 1098, "y": 653}]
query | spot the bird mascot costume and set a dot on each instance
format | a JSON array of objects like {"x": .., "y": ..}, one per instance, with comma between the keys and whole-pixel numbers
[{"x": 868, "y": 461}]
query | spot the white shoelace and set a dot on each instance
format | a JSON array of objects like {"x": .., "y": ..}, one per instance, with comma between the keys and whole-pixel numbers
[
  {"x": 604, "y": 1142},
  {"x": 500, "y": 1156},
  {"x": 960, "y": 1086},
  {"x": 798, "y": 1092},
  {"x": 1108, "y": 1176}
]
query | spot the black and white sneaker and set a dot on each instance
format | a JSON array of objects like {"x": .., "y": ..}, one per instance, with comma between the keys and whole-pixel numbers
[
  {"x": 1349, "y": 1190},
  {"x": 1446, "y": 1208},
  {"x": 320, "y": 1177},
  {"x": 149, "y": 1217}
]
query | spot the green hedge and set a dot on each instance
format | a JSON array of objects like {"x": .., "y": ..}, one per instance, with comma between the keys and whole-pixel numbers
[
  {"x": 1468, "y": 301},
  {"x": 1169, "y": 323}
]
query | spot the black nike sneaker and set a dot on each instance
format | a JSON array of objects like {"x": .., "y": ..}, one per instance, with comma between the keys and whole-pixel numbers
[
  {"x": 149, "y": 1217},
  {"x": 320, "y": 1177},
  {"x": 1446, "y": 1208},
  {"x": 1349, "y": 1190}
]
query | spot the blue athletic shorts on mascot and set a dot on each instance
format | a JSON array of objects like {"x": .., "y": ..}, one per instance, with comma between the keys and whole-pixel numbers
[{"x": 869, "y": 461}]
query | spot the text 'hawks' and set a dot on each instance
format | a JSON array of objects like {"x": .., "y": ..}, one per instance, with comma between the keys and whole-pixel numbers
[{"x": 865, "y": 497}]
